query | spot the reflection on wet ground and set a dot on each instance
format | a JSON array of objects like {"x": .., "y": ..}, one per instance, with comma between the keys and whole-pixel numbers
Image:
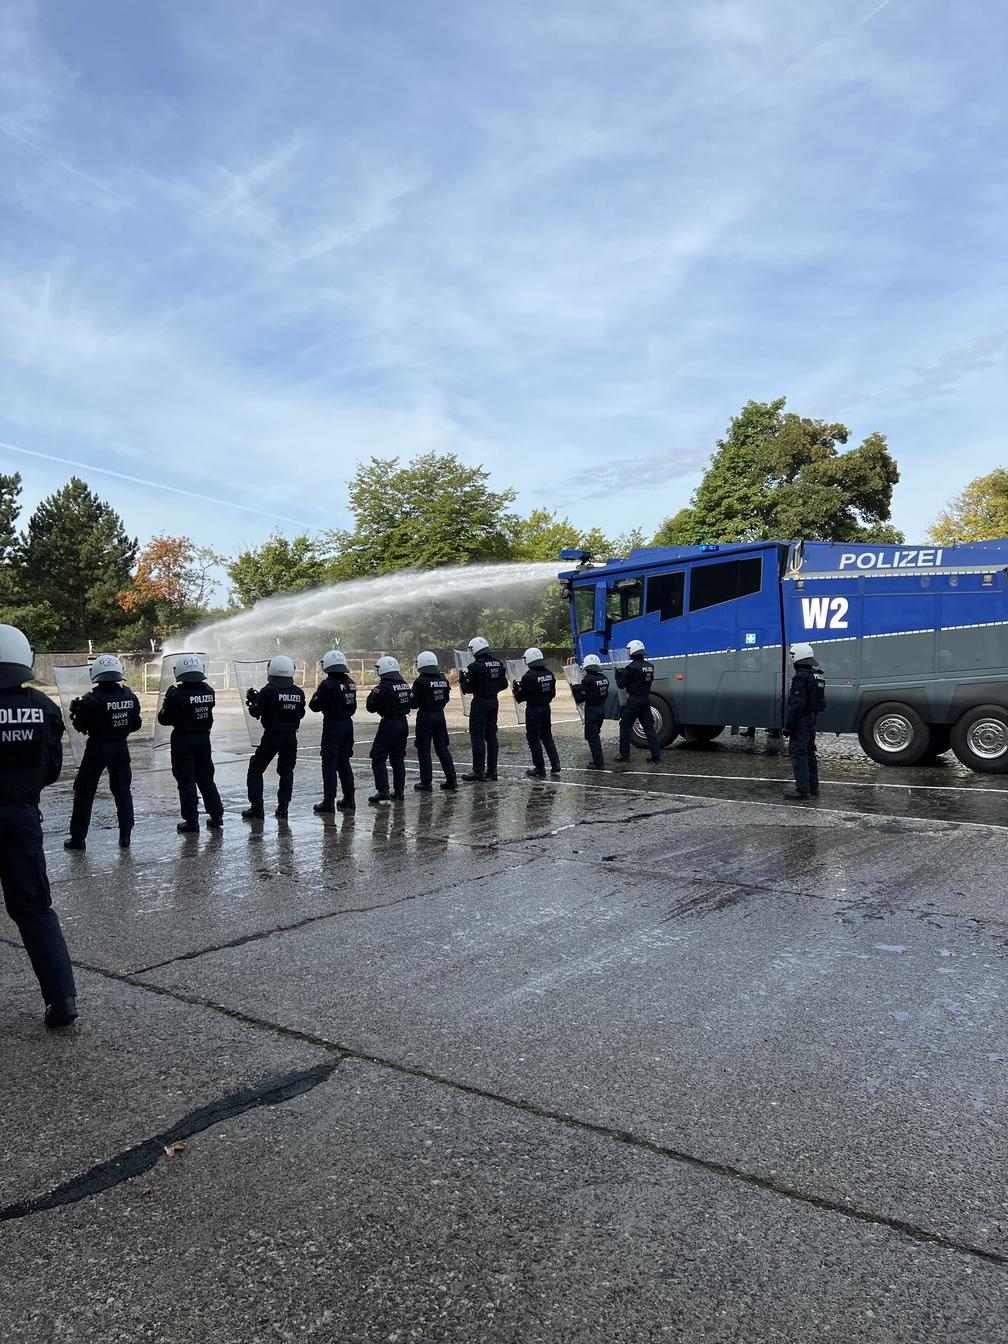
[{"x": 445, "y": 1068}]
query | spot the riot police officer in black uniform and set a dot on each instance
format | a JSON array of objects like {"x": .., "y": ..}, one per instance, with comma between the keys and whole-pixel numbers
[
  {"x": 31, "y": 756},
  {"x": 636, "y": 679},
  {"x": 105, "y": 716},
  {"x": 279, "y": 707},
  {"x": 806, "y": 701},
  {"x": 336, "y": 700},
  {"x": 390, "y": 699},
  {"x": 429, "y": 695},
  {"x": 592, "y": 691},
  {"x": 187, "y": 710},
  {"x": 483, "y": 679},
  {"x": 537, "y": 689}
]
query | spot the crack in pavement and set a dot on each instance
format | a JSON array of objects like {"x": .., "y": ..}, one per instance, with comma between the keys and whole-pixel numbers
[
  {"x": 712, "y": 1166},
  {"x": 142, "y": 1156}
]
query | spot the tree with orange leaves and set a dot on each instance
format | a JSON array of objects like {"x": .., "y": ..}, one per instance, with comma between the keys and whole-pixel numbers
[{"x": 172, "y": 584}]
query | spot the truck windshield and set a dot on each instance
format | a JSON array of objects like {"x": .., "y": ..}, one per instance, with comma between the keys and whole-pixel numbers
[{"x": 584, "y": 608}]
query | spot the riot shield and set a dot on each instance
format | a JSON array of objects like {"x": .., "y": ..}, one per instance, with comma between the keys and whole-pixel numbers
[
  {"x": 72, "y": 683},
  {"x": 162, "y": 733},
  {"x": 516, "y": 669},
  {"x": 248, "y": 675},
  {"x": 574, "y": 674},
  {"x": 462, "y": 660},
  {"x": 618, "y": 658}
]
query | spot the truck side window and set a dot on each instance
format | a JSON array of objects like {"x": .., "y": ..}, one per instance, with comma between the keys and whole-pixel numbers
[
  {"x": 625, "y": 600},
  {"x": 665, "y": 594},
  {"x": 584, "y": 607},
  {"x": 713, "y": 584}
]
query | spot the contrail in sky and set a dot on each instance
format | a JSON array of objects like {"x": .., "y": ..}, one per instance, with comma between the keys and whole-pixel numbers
[{"x": 154, "y": 485}]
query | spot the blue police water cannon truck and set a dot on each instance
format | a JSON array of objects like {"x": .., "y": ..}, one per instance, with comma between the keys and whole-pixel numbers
[{"x": 913, "y": 639}]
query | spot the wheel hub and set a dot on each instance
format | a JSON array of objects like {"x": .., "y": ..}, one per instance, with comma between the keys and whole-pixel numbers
[
  {"x": 987, "y": 738},
  {"x": 893, "y": 733}
]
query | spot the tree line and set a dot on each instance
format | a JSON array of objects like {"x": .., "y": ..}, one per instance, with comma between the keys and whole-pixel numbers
[{"x": 73, "y": 573}]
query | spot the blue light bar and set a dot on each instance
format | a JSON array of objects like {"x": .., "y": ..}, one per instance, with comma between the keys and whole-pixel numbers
[{"x": 707, "y": 546}]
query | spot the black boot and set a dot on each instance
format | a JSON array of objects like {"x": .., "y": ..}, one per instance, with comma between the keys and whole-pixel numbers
[
  {"x": 71, "y": 843},
  {"x": 61, "y": 1013},
  {"x": 555, "y": 771},
  {"x": 252, "y": 814},
  {"x": 379, "y": 799},
  {"x": 793, "y": 796},
  {"x": 124, "y": 838},
  {"x": 536, "y": 774},
  {"x": 449, "y": 786},
  {"x": 492, "y": 774},
  {"x": 422, "y": 788},
  {"x": 215, "y": 823},
  {"x": 280, "y": 813},
  {"x": 187, "y": 827},
  {"x": 346, "y": 805},
  {"x": 325, "y": 807},
  {"x": 474, "y": 775}
]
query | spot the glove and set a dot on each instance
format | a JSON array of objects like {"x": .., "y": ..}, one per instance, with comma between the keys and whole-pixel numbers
[
  {"x": 251, "y": 697},
  {"x": 514, "y": 688}
]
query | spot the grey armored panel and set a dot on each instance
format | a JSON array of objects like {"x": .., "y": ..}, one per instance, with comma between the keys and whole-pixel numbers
[
  {"x": 516, "y": 669},
  {"x": 72, "y": 683},
  {"x": 462, "y": 660},
  {"x": 249, "y": 675}
]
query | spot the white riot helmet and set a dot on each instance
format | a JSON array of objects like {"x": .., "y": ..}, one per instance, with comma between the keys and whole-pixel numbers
[
  {"x": 189, "y": 667},
  {"x": 533, "y": 656},
  {"x": 801, "y": 653},
  {"x": 281, "y": 667},
  {"x": 591, "y": 660},
  {"x": 386, "y": 664},
  {"x": 426, "y": 659},
  {"x": 635, "y": 648},
  {"x": 16, "y": 657},
  {"x": 106, "y": 667},
  {"x": 477, "y": 644},
  {"x": 333, "y": 659}
]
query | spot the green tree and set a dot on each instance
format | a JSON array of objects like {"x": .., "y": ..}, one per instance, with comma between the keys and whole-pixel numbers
[
  {"x": 777, "y": 474},
  {"x": 980, "y": 513},
  {"x": 75, "y": 559},
  {"x": 434, "y": 512},
  {"x": 277, "y": 566}
]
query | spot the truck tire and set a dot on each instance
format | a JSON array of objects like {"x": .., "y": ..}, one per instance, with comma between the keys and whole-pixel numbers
[
  {"x": 696, "y": 734},
  {"x": 980, "y": 739},
  {"x": 894, "y": 734},
  {"x": 665, "y": 725}
]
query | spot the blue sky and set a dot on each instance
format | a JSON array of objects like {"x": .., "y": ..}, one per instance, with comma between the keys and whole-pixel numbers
[{"x": 246, "y": 245}]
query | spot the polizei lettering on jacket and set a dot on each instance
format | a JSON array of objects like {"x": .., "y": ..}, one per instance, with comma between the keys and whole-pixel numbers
[
  {"x": 928, "y": 558},
  {"x": 16, "y": 716}
]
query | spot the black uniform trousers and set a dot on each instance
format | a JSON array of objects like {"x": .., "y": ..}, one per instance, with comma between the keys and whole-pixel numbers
[
  {"x": 431, "y": 728},
  {"x": 483, "y": 733},
  {"x": 193, "y": 768},
  {"x": 337, "y": 748},
  {"x": 389, "y": 747},
  {"x": 29, "y": 904},
  {"x": 637, "y": 710},
  {"x": 98, "y": 757},
  {"x": 282, "y": 746},
  {"x": 539, "y": 733},
  {"x": 594, "y": 718},
  {"x": 802, "y": 750}
]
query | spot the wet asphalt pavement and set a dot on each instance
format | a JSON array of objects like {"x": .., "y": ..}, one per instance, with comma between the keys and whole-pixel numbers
[{"x": 635, "y": 1056}]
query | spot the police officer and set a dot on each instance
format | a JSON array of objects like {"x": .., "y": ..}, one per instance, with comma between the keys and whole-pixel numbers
[
  {"x": 105, "y": 716},
  {"x": 483, "y": 679},
  {"x": 636, "y": 679},
  {"x": 187, "y": 710},
  {"x": 593, "y": 691},
  {"x": 806, "y": 701},
  {"x": 336, "y": 700},
  {"x": 390, "y": 699},
  {"x": 537, "y": 689},
  {"x": 279, "y": 707},
  {"x": 428, "y": 696},
  {"x": 31, "y": 756}
]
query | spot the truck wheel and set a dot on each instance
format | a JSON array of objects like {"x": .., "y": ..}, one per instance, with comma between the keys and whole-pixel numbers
[
  {"x": 663, "y": 721},
  {"x": 980, "y": 739},
  {"x": 694, "y": 734},
  {"x": 894, "y": 734}
]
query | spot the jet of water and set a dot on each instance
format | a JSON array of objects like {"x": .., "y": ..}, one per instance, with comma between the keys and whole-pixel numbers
[{"x": 327, "y": 609}]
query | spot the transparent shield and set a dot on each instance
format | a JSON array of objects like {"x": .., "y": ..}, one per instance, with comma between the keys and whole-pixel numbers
[
  {"x": 162, "y": 734},
  {"x": 462, "y": 660},
  {"x": 72, "y": 683},
  {"x": 573, "y": 675},
  {"x": 617, "y": 698},
  {"x": 248, "y": 675},
  {"x": 516, "y": 669}
]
